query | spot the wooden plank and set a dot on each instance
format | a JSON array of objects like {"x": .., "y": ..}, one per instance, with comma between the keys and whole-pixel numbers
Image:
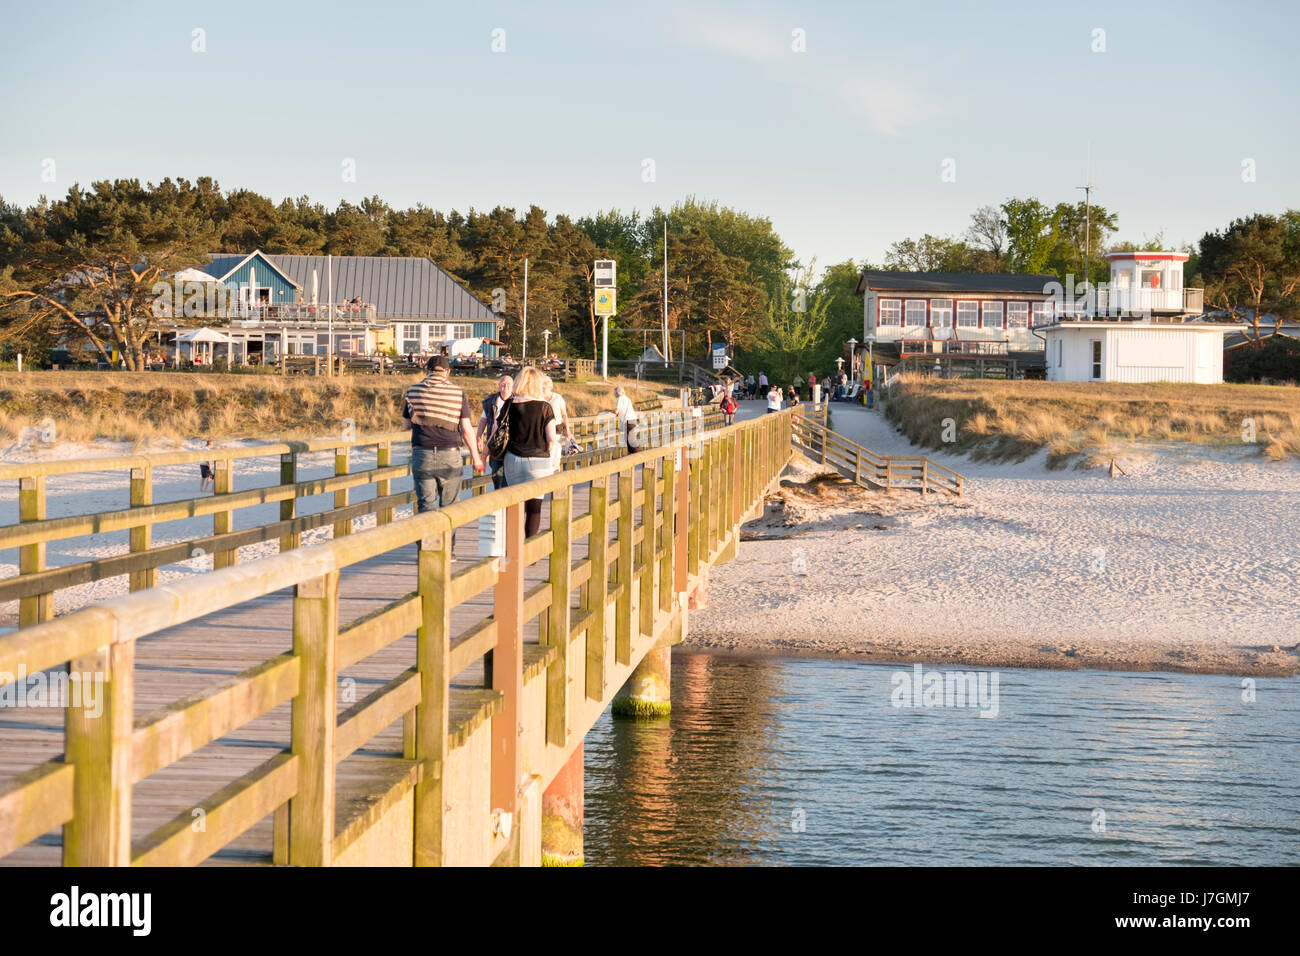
[
  {"x": 35, "y": 802},
  {"x": 646, "y": 553},
  {"x": 224, "y": 816},
  {"x": 141, "y": 538},
  {"x": 473, "y": 580},
  {"x": 623, "y": 570},
  {"x": 99, "y": 746},
  {"x": 560, "y": 576},
  {"x": 341, "y": 461},
  {"x": 467, "y": 649},
  {"x": 31, "y": 557},
  {"x": 432, "y": 716},
  {"x": 594, "y": 596},
  {"x": 183, "y": 727},
  {"x": 374, "y": 712},
  {"x": 376, "y": 630},
  {"x": 508, "y": 664},
  {"x": 315, "y": 634}
]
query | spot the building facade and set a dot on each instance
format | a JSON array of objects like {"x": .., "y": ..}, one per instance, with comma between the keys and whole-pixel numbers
[
  {"x": 1142, "y": 351},
  {"x": 294, "y": 305}
]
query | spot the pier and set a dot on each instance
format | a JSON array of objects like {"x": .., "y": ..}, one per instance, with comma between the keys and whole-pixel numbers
[{"x": 385, "y": 697}]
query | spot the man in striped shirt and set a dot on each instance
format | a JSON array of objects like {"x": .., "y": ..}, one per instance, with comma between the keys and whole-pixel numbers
[{"x": 437, "y": 412}]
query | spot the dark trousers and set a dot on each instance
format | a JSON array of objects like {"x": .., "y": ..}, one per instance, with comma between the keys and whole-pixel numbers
[{"x": 498, "y": 472}]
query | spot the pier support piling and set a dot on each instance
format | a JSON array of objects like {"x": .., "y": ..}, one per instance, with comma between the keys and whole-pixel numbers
[
  {"x": 562, "y": 814},
  {"x": 647, "y": 692}
]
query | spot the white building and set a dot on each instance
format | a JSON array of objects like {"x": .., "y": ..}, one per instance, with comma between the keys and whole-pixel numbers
[
  {"x": 1149, "y": 282},
  {"x": 1112, "y": 350}
]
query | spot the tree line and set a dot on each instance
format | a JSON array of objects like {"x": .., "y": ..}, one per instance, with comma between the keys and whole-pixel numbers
[{"x": 84, "y": 266}]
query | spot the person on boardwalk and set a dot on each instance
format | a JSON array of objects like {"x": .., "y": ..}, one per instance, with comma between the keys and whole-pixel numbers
[
  {"x": 563, "y": 424},
  {"x": 774, "y": 399},
  {"x": 487, "y": 426},
  {"x": 627, "y": 418},
  {"x": 762, "y": 383},
  {"x": 729, "y": 406},
  {"x": 437, "y": 412},
  {"x": 207, "y": 473},
  {"x": 532, "y": 432},
  {"x": 750, "y": 386}
]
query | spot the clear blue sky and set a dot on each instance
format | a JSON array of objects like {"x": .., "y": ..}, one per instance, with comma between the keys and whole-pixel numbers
[{"x": 841, "y": 146}]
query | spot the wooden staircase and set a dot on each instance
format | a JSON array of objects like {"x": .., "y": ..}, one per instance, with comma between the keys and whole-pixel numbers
[{"x": 869, "y": 469}]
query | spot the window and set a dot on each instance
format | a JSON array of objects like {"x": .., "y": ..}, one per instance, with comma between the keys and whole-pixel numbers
[
  {"x": 1017, "y": 315},
  {"x": 1059, "y": 363},
  {"x": 968, "y": 315},
  {"x": 437, "y": 334},
  {"x": 462, "y": 331},
  {"x": 411, "y": 333},
  {"x": 891, "y": 312},
  {"x": 941, "y": 313},
  {"x": 1043, "y": 314},
  {"x": 992, "y": 315},
  {"x": 915, "y": 315},
  {"x": 1096, "y": 359}
]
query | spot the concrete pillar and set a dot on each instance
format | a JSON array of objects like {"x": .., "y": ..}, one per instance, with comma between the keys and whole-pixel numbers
[
  {"x": 562, "y": 814},
  {"x": 647, "y": 692}
]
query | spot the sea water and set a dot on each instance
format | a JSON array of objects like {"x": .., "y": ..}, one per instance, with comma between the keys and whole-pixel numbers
[{"x": 799, "y": 761}]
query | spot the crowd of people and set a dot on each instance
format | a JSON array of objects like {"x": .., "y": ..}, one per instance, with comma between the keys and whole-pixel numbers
[{"x": 834, "y": 388}]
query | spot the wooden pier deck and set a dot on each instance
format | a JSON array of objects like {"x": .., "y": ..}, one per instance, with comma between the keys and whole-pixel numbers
[{"x": 380, "y": 698}]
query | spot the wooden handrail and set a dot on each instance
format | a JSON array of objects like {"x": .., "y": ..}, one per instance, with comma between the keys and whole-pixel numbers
[
  {"x": 90, "y": 793},
  {"x": 847, "y": 454}
]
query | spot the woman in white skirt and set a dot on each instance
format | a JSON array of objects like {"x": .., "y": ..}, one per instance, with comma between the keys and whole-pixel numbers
[{"x": 532, "y": 433}]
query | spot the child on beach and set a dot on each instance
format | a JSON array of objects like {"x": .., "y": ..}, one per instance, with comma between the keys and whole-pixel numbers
[{"x": 206, "y": 472}]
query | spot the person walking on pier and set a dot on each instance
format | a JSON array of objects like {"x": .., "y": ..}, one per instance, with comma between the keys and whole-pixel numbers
[
  {"x": 627, "y": 418},
  {"x": 532, "y": 433},
  {"x": 487, "y": 426},
  {"x": 774, "y": 400},
  {"x": 563, "y": 424},
  {"x": 437, "y": 412},
  {"x": 762, "y": 383}
]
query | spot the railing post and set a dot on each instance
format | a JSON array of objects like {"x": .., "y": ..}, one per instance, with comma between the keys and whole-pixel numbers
[
  {"x": 649, "y": 481},
  {"x": 141, "y": 536},
  {"x": 432, "y": 714},
  {"x": 314, "y": 715},
  {"x": 695, "y": 527},
  {"x": 681, "y": 526},
  {"x": 667, "y": 537},
  {"x": 507, "y": 664},
  {"x": 99, "y": 745},
  {"x": 31, "y": 557},
  {"x": 597, "y": 590},
  {"x": 341, "y": 456},
  {"x": 623, "y": 573},
  {"x": 288, "y": 507},
  {"x": 557, "y": 625},
  {"x": 223, "y": 521},
  {"x": 383, "y": 458},
  {"x": 925, "y": 475}
]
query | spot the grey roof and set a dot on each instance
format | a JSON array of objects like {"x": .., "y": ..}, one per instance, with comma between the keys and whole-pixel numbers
[
  {"x": 399, "y": 287},
  {"x": 1266, "y": 330},
  {"x": 883, "y": 281}
]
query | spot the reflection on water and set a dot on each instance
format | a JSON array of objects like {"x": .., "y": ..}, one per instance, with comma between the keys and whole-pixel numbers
[{"x": 808, "y": 762}]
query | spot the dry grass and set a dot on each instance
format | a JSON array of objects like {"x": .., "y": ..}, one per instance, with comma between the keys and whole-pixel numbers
[
  {"x": 165, "y": 406},
  {"x": 1082, "y": 422}
]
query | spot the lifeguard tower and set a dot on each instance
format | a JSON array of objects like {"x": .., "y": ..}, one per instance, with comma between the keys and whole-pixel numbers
[{"x": 1149, "y": 284}]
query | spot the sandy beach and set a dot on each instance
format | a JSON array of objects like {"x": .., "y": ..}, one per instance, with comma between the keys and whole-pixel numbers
[{"x": 1191, "y": 562}]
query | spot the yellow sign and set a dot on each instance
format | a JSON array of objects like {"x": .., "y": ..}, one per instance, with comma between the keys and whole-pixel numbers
[{"x": 605, "y": 302}]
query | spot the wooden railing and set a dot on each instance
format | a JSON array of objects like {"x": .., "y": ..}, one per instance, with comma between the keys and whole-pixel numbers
[
  {"x": 867, "y": 468},
  {"x": 36, "y": 584},
  {"x": 674, "y": 510}
]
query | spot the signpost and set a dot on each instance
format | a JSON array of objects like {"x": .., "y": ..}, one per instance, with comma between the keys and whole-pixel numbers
[
  {"x": 719, "y": 357},
  {"x": 605, "y": 279}
]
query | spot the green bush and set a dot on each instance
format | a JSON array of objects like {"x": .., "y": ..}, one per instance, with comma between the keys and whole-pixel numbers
[{"x": 1277, "y": 361}]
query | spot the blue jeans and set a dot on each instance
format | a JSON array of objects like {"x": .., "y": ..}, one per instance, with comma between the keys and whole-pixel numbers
[
  {"x": 498, "y": 472},
  {"x": 438, "y": 473}
]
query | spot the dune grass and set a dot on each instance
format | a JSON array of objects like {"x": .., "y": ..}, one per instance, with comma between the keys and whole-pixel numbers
[
  {"x": 151, "y": 407},
  {"x": 1084, "y": 422}
]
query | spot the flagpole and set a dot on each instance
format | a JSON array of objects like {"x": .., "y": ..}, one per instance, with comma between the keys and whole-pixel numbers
[
  {"x": 523, "y": 349},
  {"x": 665, "y": 336},
  {"x": 329, "y": 290}
]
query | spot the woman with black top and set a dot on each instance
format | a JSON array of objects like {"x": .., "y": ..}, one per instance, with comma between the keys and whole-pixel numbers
[{"x": 532, "y": 431}]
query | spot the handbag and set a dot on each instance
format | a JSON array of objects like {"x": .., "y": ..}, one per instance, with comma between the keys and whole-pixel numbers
[{"x": 500, "y": 437}]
